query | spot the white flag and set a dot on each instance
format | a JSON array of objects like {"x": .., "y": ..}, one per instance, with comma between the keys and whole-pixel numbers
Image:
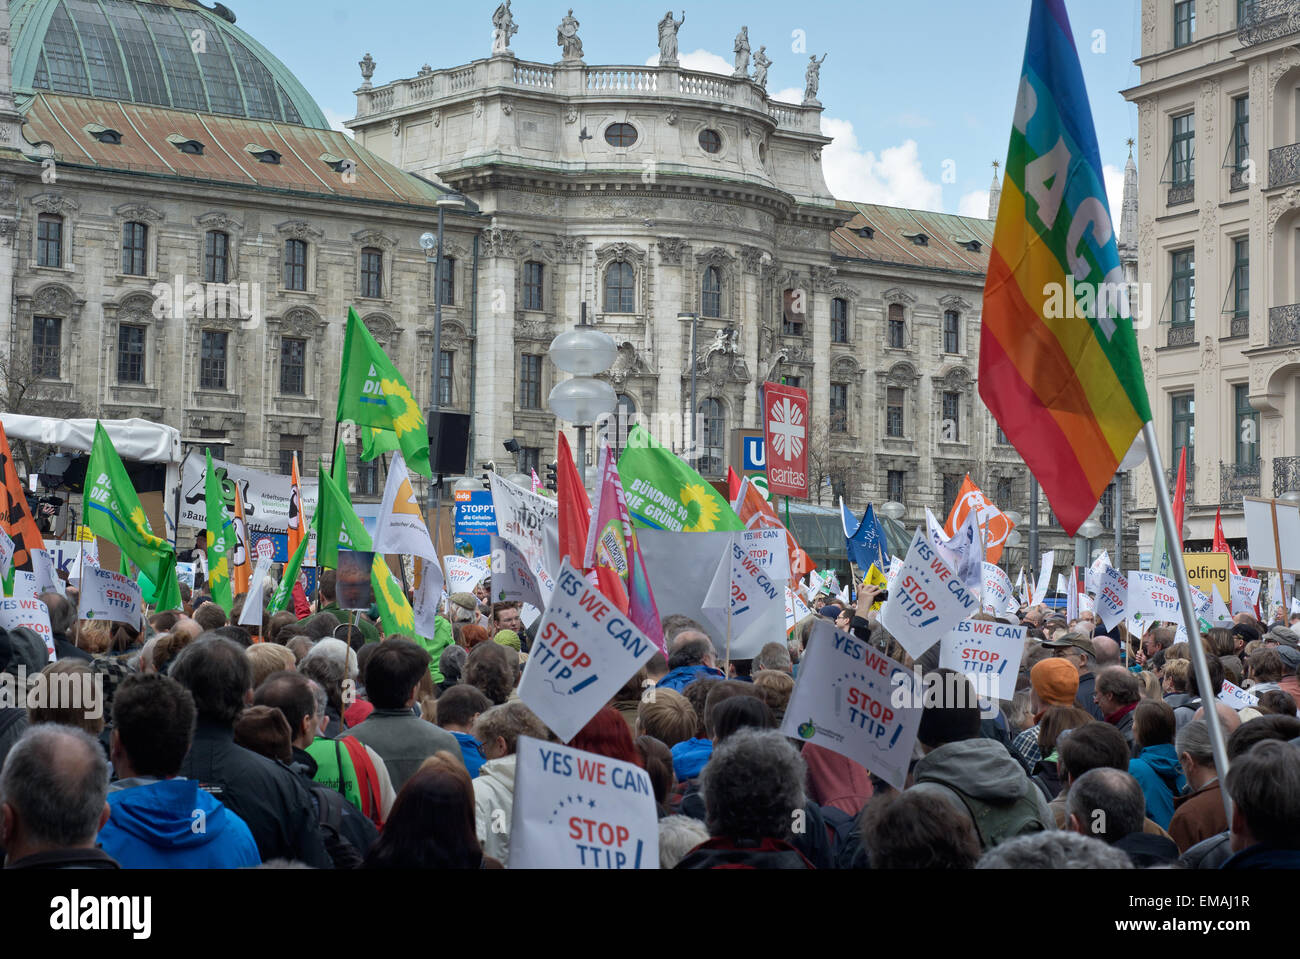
[
  {"x": 1044, "y": 574},
  {"x": 401, "y": 527},
  {"x": 428, "y": 594},
  {"x": 251, "y": 614}
]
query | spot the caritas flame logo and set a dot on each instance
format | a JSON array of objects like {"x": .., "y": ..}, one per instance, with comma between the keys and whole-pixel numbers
[{"x": 787, "y": 429}]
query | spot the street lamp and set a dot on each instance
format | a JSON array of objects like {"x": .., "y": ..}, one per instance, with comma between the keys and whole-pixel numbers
[
  {"x": 695, "y": 328},
  {"x": 1089, "y": 530},
  {"x": 583, "y": 399},
  {"x": 893, "y": 510}
]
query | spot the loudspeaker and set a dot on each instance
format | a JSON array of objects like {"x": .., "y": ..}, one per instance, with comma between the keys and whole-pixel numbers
[{"x": 448, "y": 442}]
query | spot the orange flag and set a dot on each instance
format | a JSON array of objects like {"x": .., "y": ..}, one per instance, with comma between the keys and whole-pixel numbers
[
  {"x": 241, "y": 572},
  {"x": 756, "y": 513},
  {"x": 295, "y": 509},
  {"x": 17, "y": 519},
  {"x": 992, "y": 521}
]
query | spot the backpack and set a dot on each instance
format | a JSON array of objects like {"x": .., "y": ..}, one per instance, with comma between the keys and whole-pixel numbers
[{"x": 996, "y": 823}]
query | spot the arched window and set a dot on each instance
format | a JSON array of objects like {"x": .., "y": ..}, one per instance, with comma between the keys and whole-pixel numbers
[
  {"x": 620, "y": 288},
  {"x": 712, "y": 427},
  {"x": 216, "y": 257},
  {"x": 135, "y": 248},
  {"x": 711, "y": 295}
]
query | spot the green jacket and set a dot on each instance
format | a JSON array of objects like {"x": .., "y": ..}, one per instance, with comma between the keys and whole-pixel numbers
[
  {"x": 368, "y": 629},
  {"x": 442, "y": 638}
]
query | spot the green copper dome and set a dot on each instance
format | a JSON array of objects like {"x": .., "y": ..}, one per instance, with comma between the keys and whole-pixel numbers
[{"x": 167, "y": 53}]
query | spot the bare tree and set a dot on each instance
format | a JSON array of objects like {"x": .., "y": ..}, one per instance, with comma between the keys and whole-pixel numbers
[
  {"x": 831, "y": 473},
  {"x": 23, "y": 390}
]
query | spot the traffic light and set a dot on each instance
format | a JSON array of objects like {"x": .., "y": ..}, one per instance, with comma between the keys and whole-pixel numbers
[{"x": 553, "y": 476}]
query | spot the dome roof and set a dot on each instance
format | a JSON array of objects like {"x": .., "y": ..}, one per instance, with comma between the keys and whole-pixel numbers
[{"x": 169, "y": 53}]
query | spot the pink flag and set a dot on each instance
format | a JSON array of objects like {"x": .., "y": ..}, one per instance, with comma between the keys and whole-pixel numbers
[
  {"x": 613, "y": 552},
  {"x": 537, "y": 483}
]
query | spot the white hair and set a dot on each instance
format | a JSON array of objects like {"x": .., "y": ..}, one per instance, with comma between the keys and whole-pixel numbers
[
  {"x": 678, "y": 835},
  {"x": 337, "y": 652}
]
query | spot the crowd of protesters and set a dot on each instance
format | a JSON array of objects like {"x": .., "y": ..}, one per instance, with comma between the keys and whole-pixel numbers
[{"x": 315, "y": 740}]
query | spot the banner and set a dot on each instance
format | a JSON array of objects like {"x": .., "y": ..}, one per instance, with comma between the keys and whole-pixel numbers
[
  {"x": 754, "y": 598},
  {"x": 663, "y": 492},
  {"x": 1236, "y": 697},
  {"x": 251, "y": 614},
  {"x": 579, "y": 810},
  {"x": 1153, "y": 597},
  {"x": 513, "y": 581},
  {"x": 267, "y": 499},
  {"x": 1112, "y": 597},
  {"x": 1245, "y": 594},
  {"x": 1208, "y": 571},
  {"x": 785, "y": 438},
  {"x": 475, "y": 521},
  {"x": 29, "y": 612},
  {"x": 16, "y": 518},
  {"x": 584, "y": 652},
  {"x": 997, "y": 596},
  {"x": 865, "y": 541},
  {"x": 927, "y": 600},
  {"x": 1092, "y": 575},
  {"x": 856, "y": 701},
  {"x": 987, "y": 653},
  {"x": 112, "y": 596},
  {"x": 401, "y": 528},
  {"x": 1044, "y": 574},
  {"x": 521, "y": 519},
  {"x": 465, "y": 572},
  {"x": 755, "y": 511},
  {"x": 992, "y": 523}
]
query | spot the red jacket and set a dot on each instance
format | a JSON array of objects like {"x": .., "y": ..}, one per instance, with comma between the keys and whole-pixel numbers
[
  {"x": 835, "y": 780},
  {"x": 301, "y": 608}
]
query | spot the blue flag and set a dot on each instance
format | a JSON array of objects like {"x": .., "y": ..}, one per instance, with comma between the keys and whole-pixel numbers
[{"x": 865, "y": 541}]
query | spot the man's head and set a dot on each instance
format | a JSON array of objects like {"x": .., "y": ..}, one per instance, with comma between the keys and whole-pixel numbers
[
  {"x": 668, "y": 716},
  {"x": 1054, "y": 849},
  {"x": 1161, "y": 637},
  {"x": 328, "y": 580},
  {"x": 1076, "y": 649},
  {"x": 1094, "y": 746},
  {"x": 752, "y": 785},
  {"x": 1116, "y": 688},
  {"x": 1107, "y": 651},
  {"x": 1106, "y": 803},
  {"x": 506, "y": 616},
  {"x": 914, "y": 830},
  {"x": 955, "y": 715},
  {"x": 1055, "y": 682},
  {"x": 490, "y": 669},
  {"x": 63, "y": 616},
  {"x": 153, "y": 726},
  {"x": 459, "y": 707},
  {"x": 393, "y": 673},
  {"x": 1265, "y": 788},
  {"x": 691, "y": 648},
  {"x": 774, "y": 656},
  {"x": 291, "y": 693},
  {"x": 218, "y": 675},
  {"x": 462, "y": 608},
  {"x": 52, "y": 792},
  {"x": 210, "y": 616},
  {"x": 1194, "y": 751},
  {"x": 499, "y": 728}
]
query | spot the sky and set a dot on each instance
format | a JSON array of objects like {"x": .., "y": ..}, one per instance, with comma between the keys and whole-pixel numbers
[{"x": 918, "y": 95}]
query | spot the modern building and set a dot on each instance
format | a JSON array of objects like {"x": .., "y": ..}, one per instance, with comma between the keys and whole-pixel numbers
[{"x": 1218, "y": 244}]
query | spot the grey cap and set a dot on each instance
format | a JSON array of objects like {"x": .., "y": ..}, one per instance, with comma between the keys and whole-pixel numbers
[
  {"x": 1290, "y": 657},
  {"x": 1283, "y": 635}
]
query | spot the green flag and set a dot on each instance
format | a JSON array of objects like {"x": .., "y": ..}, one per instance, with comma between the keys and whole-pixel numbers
[
  {"x": 221, "y": 540},
  {"x": 282, "y": 593},
  {"x": 375, "y": 443},
  {"x": 664, "y": 493},
  {"x": 113, "y": 511},
  {"x": 164, "y": 597},
  {"x": 373, "y": 393},
  {"x": 330, "y": 533}
]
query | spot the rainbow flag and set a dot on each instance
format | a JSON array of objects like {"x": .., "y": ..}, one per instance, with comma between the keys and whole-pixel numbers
[{"x": 1059, "y": 366}]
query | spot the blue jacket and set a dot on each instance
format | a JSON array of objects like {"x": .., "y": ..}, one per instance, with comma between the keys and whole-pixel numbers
[
  {"x": 470, "y": 752},
  {"x": 154, "y": 826},
  {"x": 681, "y": 677},
  {"x": 1157, "y": 771},
  {"x": 690, "y": 756}
]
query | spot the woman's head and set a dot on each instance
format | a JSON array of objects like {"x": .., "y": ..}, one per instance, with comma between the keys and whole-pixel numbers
[
  {"x": 498, "y": 730},
  {"x": 471, "y": 635},
  {"x": 1153, "y": 723},
  {"x": 489, "y": 668},
  {"x": 431, "y": 825},
  {"x": 1057, "y": 720},
  {"x": 607, "y": 734}
]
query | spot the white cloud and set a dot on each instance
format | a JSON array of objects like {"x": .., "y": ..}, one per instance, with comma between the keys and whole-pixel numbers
[
  {"x": 913, "y": 120},
  {"x": 975, "y": 203},
  {"x": 1114, "y": 178},
  {"x": 788, "y": 95},
  {"x": 894, "y": 178},
  {"x": 335, "y": 120},
  {"x": 701, "y": 60}
]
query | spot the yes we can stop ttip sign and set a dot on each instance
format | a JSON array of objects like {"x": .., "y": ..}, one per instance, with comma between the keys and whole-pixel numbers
[{"x": 785, "y": 437}]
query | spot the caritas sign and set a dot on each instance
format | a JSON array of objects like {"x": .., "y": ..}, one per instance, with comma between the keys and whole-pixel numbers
[{"x": 785, "y": 437}]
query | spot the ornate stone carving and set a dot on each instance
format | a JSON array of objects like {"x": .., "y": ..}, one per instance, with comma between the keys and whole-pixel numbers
[
  {"x": 367, "y": 65},
  {"x": 499, "y": 242},
  {"x": 670, "y": 249},
  {"x": 620, "y": 251},
  {"x": 52, "y": 299},
  {"x": 299, "y": 230},
  {"x": 622, "y": 207},
  {"x": 1280, "y": 204},
  {"x": 627, "y": 363},
  {"x": 528, "y": 328},
  {"x": 793, "y": 236},
  {"x": 8, "y": 227},
  {"x": 301, "y": 322},
  {"x": 714, "y": 256},
  {"x": 816, "y": 155},
  {"x": 217, "y": 221},
  {"x": 822, "y": 278},
  {"x": 569, "y": 248},
  {"x": 138, "y": 211},
  {"x": 751, "y": 258},
  {"x": 55, "y": 203},
  {"x": 896, "y": 294},
  {"x": 671, "y": 118},
  {"x": 478, "y": 109},
  {"x": 571, "y": 115},
  {"x": 436, "y": 116},
  {"x": 397, "y": 128},
  {"x": 717, "y": 213},
  {"x": 375, "y": 238},
  {"x": 507, "y": 105},
  {"x": 382, "y": 327},
  {"x": 954, "y": 302}
]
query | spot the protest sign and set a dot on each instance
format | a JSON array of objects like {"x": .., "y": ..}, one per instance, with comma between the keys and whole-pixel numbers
[
  {"x": 767, "y": 548},
  {"x": 465, "y": 572},
  {"x": 584, "y": 652},
  {"x": 47, "y": 580},
  {"x": 1112, "y": 597},
  {"x": 6, "y": 554},
  {"x": 251, "y": 614},
  {"x": 1092, "y": 575},
  {"x": 579, "y": 810},
  {"x": 1086, "y": 604},
  {"x": 400, "y": 528},
  {"x": 521, "y": 518},
  {"x": 475, "y": 522},
  {"x": 513, "y": 581},
  {"x": 856, "y": 701},
  {"x": 795, "y": 609},
  {"x": 1208, "y": 571},
  {"x": 1245, "y": 594},
  {"x": 1236, "y": 697},
  {"x": 67, "y": 553},
  {"x": 927, "y": 600},
  {"x": 31, "y": 613},
  {"x": 265, "y": 496},
  {"x": 1044, "y": 574},
  {"x": 681, "y": 566},
  {"x": 1152, "y": 596},
  {"x": 1219, "y": 615},
  {"x": 744, "y": 602},
  {"x": 185, "y": 574},
  {"x": 997, "y": 597},
  {"x": 112, "y": 596},
  {"x": 987, "y": 653},
  {"x": 428, "y": 594},
  {"x": 24, "y": 584}
]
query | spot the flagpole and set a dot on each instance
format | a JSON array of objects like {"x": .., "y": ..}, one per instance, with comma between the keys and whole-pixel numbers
[
  {"x": 1209, "y": 695},
  {"x": 401, "y": 567}
]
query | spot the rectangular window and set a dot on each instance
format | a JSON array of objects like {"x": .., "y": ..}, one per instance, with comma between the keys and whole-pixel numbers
[
  {"x": 49, "y": 240},
  {"x": 130, "y": 354},
  {"x": 444, "y": 378},
  {"x": 1005, "y": 493},
  {"x": 951, "y": 331},
  {"x": 447, "y": 287},
  {"x": 792, "y": 313},
  {"x": 530, "y": 459},
  {"x": 1182, "y": 293},
  {"x": 216, "y": 257},
  {"x": 894, "y": 397},
  {"x": 135, "y": 248},
  {"x": 950, "y": 428},
  {"x": 1001, "y": 438},
  {"x": 367, "y": 477},
  {"x": 897, "y": 330},
  {"x": 533, "y": 274},
  {"x": 212, "y": 360},
  {"x": 372, "y": 273},
  {"x": 839, "y": 408},
  {"x": 47, "y": 336},
  {"x": 951, "y": 486},
  {"x": 295, "y": 265},
  {"x": 1184, "y": 22},
  {"x": 839, "y": 320},
  {"x": 1240, "y": 131},
  {"x": 530, "y": 382},
  {"x": 1183, "y": 410},
  {"x": 897, "y": 481},
  {"x": 1247, "y": 426},
  {"x": 1241, "y": 277},
  {"x": 289, "y": 445},
  {"x": 1184, "y": 149},
  {"x": 293, "y": 366},
  {"x": 795, "y": 381}
]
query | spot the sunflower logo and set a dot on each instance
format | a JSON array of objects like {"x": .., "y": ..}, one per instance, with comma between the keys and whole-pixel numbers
[
  {"x": 394, "y": 602},
  {"x": 219, "y": 572},
  {"x": 701, "y": 509},
  {"x": 409, "y": 420},
  {"x": 142, "y": 527}
]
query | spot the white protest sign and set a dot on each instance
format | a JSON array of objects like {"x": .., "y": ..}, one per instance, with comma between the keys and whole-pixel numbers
[
  {"x": 24, "y": 584},
  {"x": 1219, "y": 615},
  {"x": 769, "y": 549},
  {"x": 1236, "y": 697},
  {"x": 251, "y": 614},
  {"x": 1152, "y": 596},
  {"x": 112, "y": 596},
  {"x": 1040, "y": 588},
  {"x": 998, "y": 597},
  {"x": 513, "y": 581},
  {"x": 580, "y": 810},
  {"x": 464, "y": 572},
  {"x": 856, "y": 701},
  {"x": 585, "y": 650},
  {"x": 1086, "y": 604},
  {"x": 927, "y": 601},
  {"x": 1112, "y": 597},
  {"x": 987, "y": 653},
  {"x": 67, "y": 555},
  {"x": 522, "y": 517},
  {"x": 1245, "y": 593},
  {"x": 427, "y": 597},
  {"x": 795, "y": 609},
  {"x": 185, "y": 573},
  {"x": 47, "y": 579},
  {"x": 32, "y": 614},
  {"x": 6, "y": 554},
  {"x": 754, "y": 598},
  {"x": 1092, "y": 575}
]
